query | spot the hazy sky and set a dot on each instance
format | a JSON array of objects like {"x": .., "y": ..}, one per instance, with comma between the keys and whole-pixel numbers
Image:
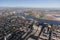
[{"x": 30, "y": 3}]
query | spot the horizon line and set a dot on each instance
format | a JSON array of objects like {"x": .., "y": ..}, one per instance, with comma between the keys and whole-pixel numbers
[{"x": 29, "y": 7}]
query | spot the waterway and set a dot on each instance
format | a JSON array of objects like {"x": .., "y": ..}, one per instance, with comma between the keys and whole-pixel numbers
[{"x": 40, "y": 20}]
